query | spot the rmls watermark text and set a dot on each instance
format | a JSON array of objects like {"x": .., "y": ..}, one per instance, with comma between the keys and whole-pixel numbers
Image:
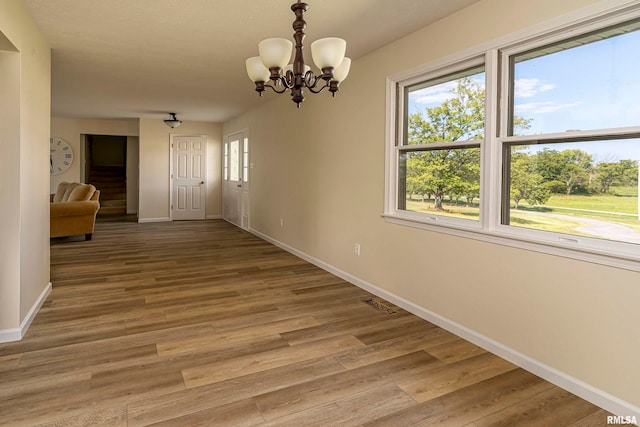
[{"x": 621, "y": 419}]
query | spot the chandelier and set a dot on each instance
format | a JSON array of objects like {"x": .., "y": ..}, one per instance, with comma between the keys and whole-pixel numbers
[
  {"x": 271, "y": 66},
  {"x": 173, "y": 122}
]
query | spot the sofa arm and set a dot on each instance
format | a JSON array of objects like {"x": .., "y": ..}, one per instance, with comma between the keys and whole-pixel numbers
[{"x": 59, "y": 209}]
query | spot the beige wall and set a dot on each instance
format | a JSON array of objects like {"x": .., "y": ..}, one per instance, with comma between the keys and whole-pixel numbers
[
  {"x": 151, "y": 136},
  {"x": 133, "y": 174},
  {"x": 9, "y": 191},
  {"x": 155, "y": 155},
  {"x": 24, "y": 175},
  {"x": 72, "y": 129},
  {"x": 321, "y": 169}
]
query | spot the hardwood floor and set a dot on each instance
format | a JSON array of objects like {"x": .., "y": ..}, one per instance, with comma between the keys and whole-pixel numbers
[{"x": 201, "y": 323}]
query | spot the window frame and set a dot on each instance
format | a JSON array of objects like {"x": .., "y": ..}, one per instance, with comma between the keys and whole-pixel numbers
[{"x": 496, "y": 58}]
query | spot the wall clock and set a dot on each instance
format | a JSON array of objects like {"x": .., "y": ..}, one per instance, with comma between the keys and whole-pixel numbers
[{"x": 60, "y": 155}]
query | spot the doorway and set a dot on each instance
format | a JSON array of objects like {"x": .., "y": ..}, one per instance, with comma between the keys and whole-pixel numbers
[
  {"x": 106, "y": 169},
  {"x": 188, "y": 177},
  {"x": 235, "y": 179}
]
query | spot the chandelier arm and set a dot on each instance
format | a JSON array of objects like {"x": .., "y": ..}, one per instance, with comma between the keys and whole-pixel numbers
[
  {"x": 289, "y": 79},
  {"x": 310, "y": 79},
  {"x": 323, "y": 87},
  {"x": 274, "y": 88}
]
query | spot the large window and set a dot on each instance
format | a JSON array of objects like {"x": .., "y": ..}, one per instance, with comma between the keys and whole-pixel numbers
[
  {"x": 439, "y": 158},
  {"x": 534, "y": 144}
]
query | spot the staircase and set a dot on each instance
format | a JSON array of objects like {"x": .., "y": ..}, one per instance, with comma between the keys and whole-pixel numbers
[{"x": 110, "y": 180}]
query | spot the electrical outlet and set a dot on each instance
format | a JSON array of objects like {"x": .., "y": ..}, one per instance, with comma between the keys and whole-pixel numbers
[
  {"x": 356, "y": 249},
  {"x": 281, "y": 222}
]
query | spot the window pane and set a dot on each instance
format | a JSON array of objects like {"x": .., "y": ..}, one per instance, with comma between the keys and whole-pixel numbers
[
  {"x": 245, "y": 169},
  {"x": 579, "y": 188},
  {"x": 226, "y": 161},
  {"x": 245, "y": 161},
  {"x": 447, "y": 109},
  {"x": 234, "y": 160},
  {"x": 441, "y": 182},
  {"x": 592, "y": 82}
]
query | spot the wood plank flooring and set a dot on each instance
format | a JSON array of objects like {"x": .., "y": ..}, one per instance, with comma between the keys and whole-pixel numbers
[{"x": 201, "y": 323}]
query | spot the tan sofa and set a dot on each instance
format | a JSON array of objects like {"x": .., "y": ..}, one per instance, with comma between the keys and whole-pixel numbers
[{"x": 73, "y": 209}]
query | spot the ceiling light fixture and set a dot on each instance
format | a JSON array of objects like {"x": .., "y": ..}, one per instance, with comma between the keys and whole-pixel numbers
[
  {"x": 327, "y": 54},
  {"x": 173, "y": 122}
]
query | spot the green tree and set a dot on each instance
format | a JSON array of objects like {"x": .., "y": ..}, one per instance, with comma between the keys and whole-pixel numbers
[
  {"x": 629, "y": 172},
  {"x": 459, "y": 118},
  {"x": 572, "y": 168},
  {"x": 607, "y": 174},
  {"x": 442, "y": 172},
  {"x": 453, "y": 172},
  {"x": 575, "y": 172},
  {"x": 549, "y": 164},
  {"x": 416, "y": 177},
  {"x": 526, "y": 183}
]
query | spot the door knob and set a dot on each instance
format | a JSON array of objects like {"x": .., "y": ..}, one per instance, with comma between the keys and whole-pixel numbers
[{"x": 201, "y": 182}]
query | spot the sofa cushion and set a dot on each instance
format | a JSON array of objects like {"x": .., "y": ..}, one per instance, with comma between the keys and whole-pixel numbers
[
  {"x": 63, "y": 191},
  {"x": 73, "y": 192},
  {"x": 81, "y": 193}
]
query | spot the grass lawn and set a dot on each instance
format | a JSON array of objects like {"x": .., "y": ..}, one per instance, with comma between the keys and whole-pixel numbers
[
  {"x": 606, "y": 203},
  {"x": 450, "y": 209},
  {"x": 518, "y": 219},
  {"x": 546, "y": 223},
  {"x": 620, "y": 207}
]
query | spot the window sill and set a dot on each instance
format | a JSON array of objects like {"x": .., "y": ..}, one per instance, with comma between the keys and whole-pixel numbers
[{"x": 527, "y": 240}]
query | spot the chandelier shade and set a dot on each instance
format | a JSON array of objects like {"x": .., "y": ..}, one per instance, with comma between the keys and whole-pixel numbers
[
  {"x": 342, "y": 71},
  {"x": 256, "y": 69},
  {"x": 328, "y": 52},
  {"x": 173, "y": 122},
  {"x": 275, "y": 52},
  {"x": 270, "y": 69}
]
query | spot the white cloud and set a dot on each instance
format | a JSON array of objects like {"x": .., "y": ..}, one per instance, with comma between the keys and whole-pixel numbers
[
  {"x": 526, "y": 88},
  {"x": 439, "y": 93},
  {"x": 435, "y": 94},
  {"x": 543, "y": 107}
]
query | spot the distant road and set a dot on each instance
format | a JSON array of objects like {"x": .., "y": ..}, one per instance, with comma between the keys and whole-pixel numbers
[
  {"x": 592, "y": 211},
  {"x": 597, "y": 228}
]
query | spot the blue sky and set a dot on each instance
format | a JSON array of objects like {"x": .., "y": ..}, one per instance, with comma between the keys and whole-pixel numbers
[{"x": 593, "y": 86}]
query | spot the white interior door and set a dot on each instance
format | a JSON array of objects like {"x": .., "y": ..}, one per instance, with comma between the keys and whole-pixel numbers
[
  {"x": 189, "y": 182},
  {"x": 235, "y": 190}
]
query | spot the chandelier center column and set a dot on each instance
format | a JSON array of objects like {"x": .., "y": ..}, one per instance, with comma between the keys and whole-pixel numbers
[{"x": 299, "y": 26}]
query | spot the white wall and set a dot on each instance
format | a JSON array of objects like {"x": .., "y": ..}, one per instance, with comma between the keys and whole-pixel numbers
[
  {"x": 321, "y": 169},
  {"x": 25, "y": 87}
]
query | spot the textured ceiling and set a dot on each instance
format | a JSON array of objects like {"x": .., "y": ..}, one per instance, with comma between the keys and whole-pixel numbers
[{"x": 144, "y": 58}]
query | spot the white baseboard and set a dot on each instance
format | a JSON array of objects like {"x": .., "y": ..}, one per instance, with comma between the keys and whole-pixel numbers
[
  {"x": 586, "y": 391},
  {"x": 16, "y": 334},
  {"x": 10, "y": 334},
  {"x": 162, "y": 219},
  {"x": 167, "y": 219}
]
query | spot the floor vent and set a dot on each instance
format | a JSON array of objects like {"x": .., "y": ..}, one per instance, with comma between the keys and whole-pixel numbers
[{"x": 381, "y": 305}]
